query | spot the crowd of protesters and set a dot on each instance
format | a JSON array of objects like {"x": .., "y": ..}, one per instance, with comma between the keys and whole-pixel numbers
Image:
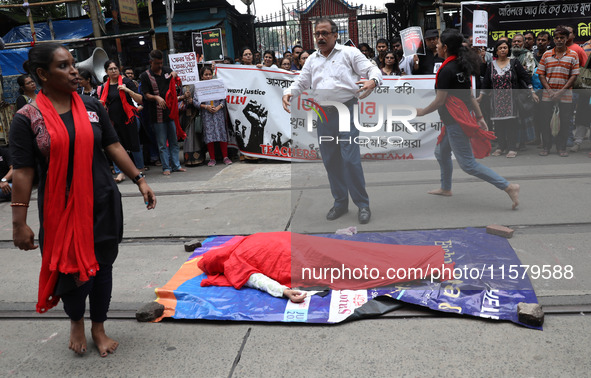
[{"x": 524, "y": 87}]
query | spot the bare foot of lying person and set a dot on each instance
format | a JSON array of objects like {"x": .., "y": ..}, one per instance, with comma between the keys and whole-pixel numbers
[
  {"x": 295, "y": 296},
  {"x": 104, "y": 343},
  {"x": 513, "y": 192},
  {"x": 77, "y": 337},
  {"x": 440, "y": 192}
]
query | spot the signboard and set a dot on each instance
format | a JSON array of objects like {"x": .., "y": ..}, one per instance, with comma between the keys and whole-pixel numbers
[
  {"x": 412, "y": 41},
  {"x": 209, "y": 90},
  {"x": 197, "y": 46},
  {"x": 128, "y": 12},
  {"x": 185, "y": 65},
  {"x": 507, "y": 18},
  {"x": 480, "y": 28},
  {"x": 212, "y": 44}
]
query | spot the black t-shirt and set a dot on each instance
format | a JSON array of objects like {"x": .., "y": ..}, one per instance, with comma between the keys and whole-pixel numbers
[
  {"x": 29, "y": 148},
  {"x": 163, "y": 82},
  {"x": 427, "y": 63},
  {"x": 5, "y": 161},
  {"x": 21, "y": 101},
  {"x": 457, "y": 84}
]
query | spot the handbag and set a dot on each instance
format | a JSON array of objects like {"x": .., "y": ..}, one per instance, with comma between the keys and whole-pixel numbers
[
  {"x": 555, "y": 121},
  {"x": 583, "y": 80}
]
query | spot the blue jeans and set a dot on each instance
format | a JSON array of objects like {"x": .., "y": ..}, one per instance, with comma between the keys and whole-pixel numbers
[
  {"x": 455, "y": 140},
  {"x": 342, "y": 161},
  {"x": 169, "y": 155}
]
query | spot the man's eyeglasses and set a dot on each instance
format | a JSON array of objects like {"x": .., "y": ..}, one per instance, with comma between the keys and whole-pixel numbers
[{"x": 324, "y": 34}]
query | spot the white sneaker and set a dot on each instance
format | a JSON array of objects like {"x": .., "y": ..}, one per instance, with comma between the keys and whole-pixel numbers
[{"x": 575, "y": 147}]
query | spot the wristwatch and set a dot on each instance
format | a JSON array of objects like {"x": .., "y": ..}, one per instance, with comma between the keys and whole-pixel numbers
[
  {"x": 4, "y": 179},
  {"x": 376, "y": 82},
  {"x": 137, "y": 178}
]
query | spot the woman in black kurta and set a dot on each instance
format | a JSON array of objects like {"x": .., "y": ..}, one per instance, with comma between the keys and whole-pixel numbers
[
  {"x": 56, "y": 122},
  {"x": 127, "y": 130}
]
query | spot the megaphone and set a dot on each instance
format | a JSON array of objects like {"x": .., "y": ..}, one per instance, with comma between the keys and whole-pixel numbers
[{"x": 95, "y": 64}]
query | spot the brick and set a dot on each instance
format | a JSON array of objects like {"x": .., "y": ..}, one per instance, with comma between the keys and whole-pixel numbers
[
  {"x": 149, "y": 312},
  {"x": 530, "y": 314},
  {"x": 495, "y": 229},
  {"x": 192, "y": 245}
]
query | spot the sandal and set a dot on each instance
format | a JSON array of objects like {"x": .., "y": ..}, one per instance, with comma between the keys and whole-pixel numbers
[
  {"x": 563, "y": 153},
  {"x": 120, "y": 177},
  {"x": 511, "y": 154},
  {"x": 497, "y": 152},
  {"x": 543, "y": 153}
]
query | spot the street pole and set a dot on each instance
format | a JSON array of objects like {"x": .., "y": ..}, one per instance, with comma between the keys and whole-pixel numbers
[
  {"x": 284, "y": 28},
  {"x": 96, "y": 29},
  {"x": 151, "y": 16},
  {"x": 169, "y": 26}
]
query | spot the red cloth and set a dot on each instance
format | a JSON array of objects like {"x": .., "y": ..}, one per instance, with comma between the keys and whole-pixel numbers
[
  {"x": 173, "y": 105},
  {"x": 479, "y": 139},
  {"x": 130, "y": 110},
  {"x": 283, "y": 256},
  {"x": 68, "y": 245}
]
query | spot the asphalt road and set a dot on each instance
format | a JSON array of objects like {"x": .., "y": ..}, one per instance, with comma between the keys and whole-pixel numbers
[{"x": 552, "y": 227}]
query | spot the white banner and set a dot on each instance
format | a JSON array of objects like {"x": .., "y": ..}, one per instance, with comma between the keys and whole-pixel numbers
[
  {"x": 480, "y": 28},
  {"x": 185, "y": 65},
  {"x": 262, "y": 128}
]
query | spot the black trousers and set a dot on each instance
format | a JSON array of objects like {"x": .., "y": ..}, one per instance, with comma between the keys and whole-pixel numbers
[
  {"x": 506, "y": 132},
  {"x": 566, "y": 115},
  {"x": 98, "y": 290}
]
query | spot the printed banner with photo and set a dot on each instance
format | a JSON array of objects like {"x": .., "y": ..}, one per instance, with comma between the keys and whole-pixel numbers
[
  {"x": 261, "y": 128},
  {"x": 507, "y": 18}
]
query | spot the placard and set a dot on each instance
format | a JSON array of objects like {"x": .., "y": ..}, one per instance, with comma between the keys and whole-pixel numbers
[
  {"x": 197, "y": 46},
  {"x": 209, "y": 90},
  {"x": 213, "y": 48},
  {"x": 480, "y": 28},
  {"x": 185, "y": 65},
  {"x": 412, "y": 41}
]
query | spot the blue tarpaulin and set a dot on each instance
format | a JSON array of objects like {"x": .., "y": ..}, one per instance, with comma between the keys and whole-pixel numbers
[
  {"x": 490, "y": 284},
  {"x": 63, "y": 29},
  {"x": 11, "y": 60}
]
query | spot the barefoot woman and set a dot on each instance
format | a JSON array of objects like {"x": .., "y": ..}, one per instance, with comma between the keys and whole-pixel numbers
[
  {"x": 454, "y": 102},
  {"x": 63, "y": 136}
]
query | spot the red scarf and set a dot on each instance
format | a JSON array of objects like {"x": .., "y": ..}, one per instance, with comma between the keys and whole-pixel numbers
[
  {"x": 479, "y": 139},
  {"x": 130, "y": 110},
  {"x": 173, "y": 105},
  {"x": 68, "y": 245}
]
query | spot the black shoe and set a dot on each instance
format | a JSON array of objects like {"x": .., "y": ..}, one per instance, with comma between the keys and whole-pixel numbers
[
  {"x": 336, "y": 212},
  {"x": 364, "y": 215}
]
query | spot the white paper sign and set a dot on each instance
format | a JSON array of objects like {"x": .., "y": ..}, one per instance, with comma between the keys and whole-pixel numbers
[
  {"x": 480, "y": 28},
  {"x": 185, "y": 65},
  {"x": 209, "y": 90}
]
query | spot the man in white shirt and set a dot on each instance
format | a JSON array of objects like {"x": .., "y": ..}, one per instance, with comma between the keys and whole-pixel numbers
[{"x": 335, "y": 70}]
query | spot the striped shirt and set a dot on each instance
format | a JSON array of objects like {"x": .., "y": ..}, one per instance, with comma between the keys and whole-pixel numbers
[{"x": 557, "y": 71}]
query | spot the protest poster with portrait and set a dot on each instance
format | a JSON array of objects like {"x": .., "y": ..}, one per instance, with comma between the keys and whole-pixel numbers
[{"x": 412, "y": 41}]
